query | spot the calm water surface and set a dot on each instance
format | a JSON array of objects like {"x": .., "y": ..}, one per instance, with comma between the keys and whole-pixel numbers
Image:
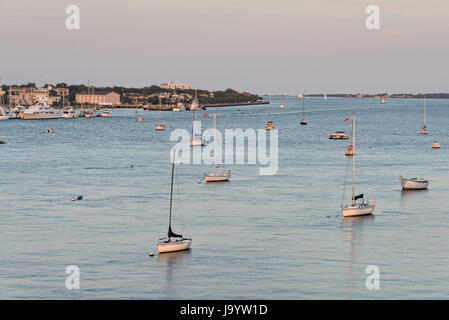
[{"x": 263, "y": 237}]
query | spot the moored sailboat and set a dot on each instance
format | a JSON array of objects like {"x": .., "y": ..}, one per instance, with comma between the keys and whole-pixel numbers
[
  {"x": 424, "y": 130},
  {"x": 217, "y": 176},
  {"x": 303, "y": 120},
  {"x": 172, "y": 242},
  {"x": 414, "y": 183},
  {"x": 356, "y": 208}
]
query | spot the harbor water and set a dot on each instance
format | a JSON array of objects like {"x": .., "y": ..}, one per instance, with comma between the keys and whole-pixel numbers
[{"x": 258, "y": 236}]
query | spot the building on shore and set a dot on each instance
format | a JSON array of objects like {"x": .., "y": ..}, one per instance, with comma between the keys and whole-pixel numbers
[
  {"x": 30, "y": 95},
  {"x": 173, "y": 86},
  {"x": 101, "y": 98}
]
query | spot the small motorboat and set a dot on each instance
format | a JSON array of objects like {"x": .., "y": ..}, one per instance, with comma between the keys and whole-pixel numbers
[
  {"x": 281, "y": 106},
  {"x": 339, "y": 135},
  {"x": 106, "y": 113},
  {"x": 269, "y": 125},
  {"x": 436, "y": 145},
  {"x": 383, "y": 101},
  {"x": 161, "y": 126},
  {"x": 414, "y": 183},
  {"x": 205, "y": 114}
]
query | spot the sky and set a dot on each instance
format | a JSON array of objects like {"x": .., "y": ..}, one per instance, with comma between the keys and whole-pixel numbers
[{"x": 260, "y": 46}]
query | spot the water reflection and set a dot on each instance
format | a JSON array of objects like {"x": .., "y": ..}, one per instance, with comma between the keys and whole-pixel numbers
[
  {"x": 173, "y": 261},
  {"x": 412, "y": 197},
  {"x": 353, "y": 233}
]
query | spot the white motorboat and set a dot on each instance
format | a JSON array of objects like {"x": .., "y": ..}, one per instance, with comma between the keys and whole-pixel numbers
[
  {"x": 339, "y": 135},
  {"x": 172, "y": 242},
  {"x": 217, "y": 176},
  {"x": 414, "y": 183},
  {"x": 40, "y": 111},
  {"x": 424, "y": 130},
  {"x": 3, "y": 114},
  {"x": 356, "y": 208},
  {"x": 69, "y": 113}
]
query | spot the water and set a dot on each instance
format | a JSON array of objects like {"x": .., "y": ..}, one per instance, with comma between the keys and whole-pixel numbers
[{"x": 262, "y": 237}]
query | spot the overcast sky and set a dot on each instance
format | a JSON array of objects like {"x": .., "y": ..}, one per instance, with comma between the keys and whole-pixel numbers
[{"x": 266, "y": 47}]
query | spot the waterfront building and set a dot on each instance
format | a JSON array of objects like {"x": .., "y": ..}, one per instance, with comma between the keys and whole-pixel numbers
[
  {"x": 173, "y": 86},
  {"x": 101, "y": 98}
]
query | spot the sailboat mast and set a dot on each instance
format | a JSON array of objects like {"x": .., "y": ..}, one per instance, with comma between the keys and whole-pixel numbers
[
  {"x": 303, "y": 108},
  {"x": 353, "y": 157},
  {"x": 215, "y": 138},
  {"x": 425, "y": 120},
  {"x": 171, "y": 192}
]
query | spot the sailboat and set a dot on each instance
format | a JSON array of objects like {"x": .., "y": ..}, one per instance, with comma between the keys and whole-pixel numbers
[
  {"x": 325, "y": 97},
  {"x": 161, "y": 125},
  {"x": 350, "y": 149},
  {"x": 217, "y": 176},
  {"x": 303, "y": 120},
  {"x": 424, "y": 130},
  {"x": 195, "y": 105},
  {"x": 356, "y": 208},
  {"x": 269, "y": 125},
  {"x": 196, "y": 140},
  {"x": 172, "y": 242}
]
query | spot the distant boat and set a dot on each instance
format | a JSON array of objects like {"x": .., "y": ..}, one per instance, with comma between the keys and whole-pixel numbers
[
  {"x": 195, "y": 105},
  {"x": 3, "y": 114},
  {"x": 339, "y": 135},
  {"x": 325, "y": 97},
  {"x": 68, "y": 113},
  {"x": 217, "y": 176},
  {"x": 160, "y": 125},
  {"x": 356, "y": 208},
  {"x": 205, "y": 114},
  {"x": 106, "y": 113},
  {"x": 197, "y": 139},
  {"x": 383, "y": 101},
  {"x": 424, "y": 130},
  {"x": 414, "y": 183},
  {"x": 269, "y": 125},
  {"x": 139, "y": 118},
  {"x": 173, "y": 242},
  {"x": 350, "y": 149},
  {"x": 303, "y": 120},
  {"x": 436, "y": 145},
  {"x": 281, "y": 106}
]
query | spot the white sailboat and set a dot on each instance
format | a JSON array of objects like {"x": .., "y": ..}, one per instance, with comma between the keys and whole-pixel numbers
[
  {"x": 350, "y": 148},
  {"x": 303, "y": 120},
  {"x": 414, "y": 183},
  {"x": 172, "y": 242},
  {"x": 356, "y": 208},
  {"x": 217, "y": 176},
  {"x": 325, "y": 97},
  {"x": 269, "y": 125},
  {"x": 424, "y": 130},
  {"x": 197, "y": 139},
  {"x": 160, "y": 125}
]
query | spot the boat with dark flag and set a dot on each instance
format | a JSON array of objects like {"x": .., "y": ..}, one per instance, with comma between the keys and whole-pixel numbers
[
  {"x": 172, "y": 242},
  {"x": 356, "y": 208}
]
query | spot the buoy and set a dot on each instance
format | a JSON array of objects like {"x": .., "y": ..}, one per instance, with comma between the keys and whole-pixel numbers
[
  {"x": 151, "y": 254},
  {"x": 281, "y": 106},
  {"x": 131, "y": 166},
  {"x": 73, "y": 198}
]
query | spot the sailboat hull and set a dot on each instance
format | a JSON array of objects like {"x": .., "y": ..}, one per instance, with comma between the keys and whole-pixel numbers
[
  {"x": 357, "y": 210},
  {"x": 217, "y": 177},
  {"x": 197, "y": 142},
  {"x": 173, "y": 245}
]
